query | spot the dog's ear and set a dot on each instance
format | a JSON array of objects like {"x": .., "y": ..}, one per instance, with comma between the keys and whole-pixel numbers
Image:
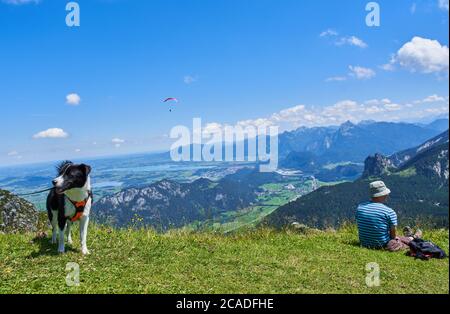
[{"x": 87, "y": 169}]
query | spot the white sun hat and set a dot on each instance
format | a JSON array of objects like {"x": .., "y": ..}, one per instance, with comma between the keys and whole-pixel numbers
[{"x": 378, "y": 189}]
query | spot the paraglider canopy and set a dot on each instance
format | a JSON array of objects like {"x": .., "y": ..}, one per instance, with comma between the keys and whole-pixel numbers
[{"x": 170, "y": 100}]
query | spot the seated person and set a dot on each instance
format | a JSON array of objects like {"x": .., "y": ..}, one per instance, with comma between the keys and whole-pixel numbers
[{"x": 377, "y": 223}]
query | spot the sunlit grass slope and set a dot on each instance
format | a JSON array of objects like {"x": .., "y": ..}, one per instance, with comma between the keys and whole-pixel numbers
[{"x": 261, "y": 261}]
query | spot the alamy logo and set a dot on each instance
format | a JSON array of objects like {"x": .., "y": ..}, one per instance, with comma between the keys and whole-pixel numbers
[
  {"x": 73, "y": 17},
  {"x": 228, "y": 143},
  {"x": 373, "y": 18},
  {"x": 372, "y": 275},
  {"x": 73, "y": 275}
]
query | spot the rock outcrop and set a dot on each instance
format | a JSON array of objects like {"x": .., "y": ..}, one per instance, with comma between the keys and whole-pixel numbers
[
  {"x": 17, "y": 214},
  {"x": 377, "y": 165}
]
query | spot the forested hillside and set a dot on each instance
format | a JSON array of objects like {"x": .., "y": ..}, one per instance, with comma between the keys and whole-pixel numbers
[{"x": 419, "y": 192}]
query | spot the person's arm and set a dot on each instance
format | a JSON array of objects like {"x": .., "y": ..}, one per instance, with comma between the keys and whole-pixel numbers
[
  {"x": 393, "y": 232},
  {"x": 392, "y": 219}
]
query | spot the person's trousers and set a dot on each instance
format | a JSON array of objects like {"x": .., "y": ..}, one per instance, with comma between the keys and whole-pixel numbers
[{"x": 400, "y": 243}]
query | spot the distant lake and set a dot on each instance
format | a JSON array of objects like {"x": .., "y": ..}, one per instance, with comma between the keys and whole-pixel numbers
[
  {"x": 105, "y": 184},
  {"x": 163, "y": 167}
]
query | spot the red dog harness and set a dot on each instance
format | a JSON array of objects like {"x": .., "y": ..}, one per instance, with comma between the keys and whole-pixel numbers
[{"x": 80, "y": 206}]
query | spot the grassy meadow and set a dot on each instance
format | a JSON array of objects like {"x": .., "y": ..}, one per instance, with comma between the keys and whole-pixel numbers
[{"x": 258, "y": 261}]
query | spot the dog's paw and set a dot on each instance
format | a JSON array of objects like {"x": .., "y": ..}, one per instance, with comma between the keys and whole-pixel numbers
[
  {"x": 70, "y": 241},
  {"x": 85, "y": 251}
]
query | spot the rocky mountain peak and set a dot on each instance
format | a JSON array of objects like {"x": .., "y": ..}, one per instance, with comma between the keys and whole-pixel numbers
[
  {"x": 377, "y": 165},
  {"x": 346, "y": 127}
]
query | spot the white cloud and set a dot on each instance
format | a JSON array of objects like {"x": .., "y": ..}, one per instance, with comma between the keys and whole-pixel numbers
[
  {"x": 390, "y": 66},
  {"x": 443, "y": 5},
  {"x": 328, "y": 32},
  {"x": 433, "y": 98},
  {"x": 117, "y": 142},
  {"x": 387, "y": 67},
  {"x": 343, "y": 40},
  {"x": 19, "y": 2},
  {"x": 357, "y": 72},
  {"x": 336, "y": 79},
  {"x": 392, "y": 107},
  {"x": 188, "y": 79},
  {"x": 15, "y": 155},
  {"x": 212, "y": 128},
  {"x": 377, "y": 102},
  {"x": 372, "y": 102},
  {"x": 257, "y": 123},
  {"x": 352, "y": 41},
  {"x": 382, "y": 109},
  {"x": 290, "y": 114},
  {"x": 51, "y": 133},
  {"x": 423, "y": 55},
  {"x": 361, "y": 73},
  {"x": 436, "y": 111},
  {"x": 73, "y": 99},
  {"x": 77, "y": 150}
]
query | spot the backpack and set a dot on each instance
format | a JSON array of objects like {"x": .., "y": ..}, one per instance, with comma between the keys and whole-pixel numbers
[{"x": 425, "y": 250}]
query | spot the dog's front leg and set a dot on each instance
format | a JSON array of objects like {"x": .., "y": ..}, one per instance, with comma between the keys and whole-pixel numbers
[
  {"x": 83, "y": 234},
  {"x": 62, "y": 226},
  {"x": 61, "y": 248},
  {"x": 68, "y": 232},
  {"x": 54, "y": 235},
  {"x": 54, "y": 222}
]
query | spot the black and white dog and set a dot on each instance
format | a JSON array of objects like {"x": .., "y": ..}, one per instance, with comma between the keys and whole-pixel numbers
[{"x": 69, "y": 201}]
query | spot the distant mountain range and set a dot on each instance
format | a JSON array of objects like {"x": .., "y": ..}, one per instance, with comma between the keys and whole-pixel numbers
[
  {"x": 337, "y": 153},
  {"x": 440, "y": 124},
  {"x": 305, "y": 148},
  {"x": 168, "y": 204},
  {"x": 418, "y": 178}
]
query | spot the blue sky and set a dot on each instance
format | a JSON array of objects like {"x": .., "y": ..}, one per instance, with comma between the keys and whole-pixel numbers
[{"x": 97, "y": 89}]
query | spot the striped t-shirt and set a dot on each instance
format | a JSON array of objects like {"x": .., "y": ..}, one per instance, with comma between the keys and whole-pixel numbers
[{"x": 374, "y": 224}]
